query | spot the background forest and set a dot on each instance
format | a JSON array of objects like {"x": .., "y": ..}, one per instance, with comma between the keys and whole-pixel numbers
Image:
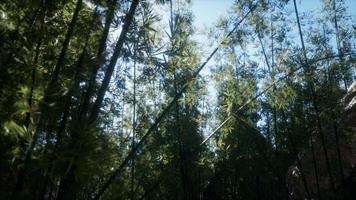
[{"x": 116, "y": 99}]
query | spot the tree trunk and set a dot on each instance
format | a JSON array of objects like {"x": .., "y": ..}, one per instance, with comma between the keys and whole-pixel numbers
[
  {"x": 310, "y": 83},
  {"x": 54, "y": 78},
  {"x": 133, "y": 128},
  {"x": 99, "y": 59},
  {"x": 65, "y": 46},
  {"x": 295, "y": 154},
  {"x": 110, "y": 70},
  {"x": 67, "y": 185}
]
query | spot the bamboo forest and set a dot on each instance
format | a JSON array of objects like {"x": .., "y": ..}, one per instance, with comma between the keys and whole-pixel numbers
[{"x": 177, "y": 99}]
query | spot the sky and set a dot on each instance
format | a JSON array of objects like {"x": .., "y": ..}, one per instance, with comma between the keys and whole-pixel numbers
[{"x": 207, "y": 13}]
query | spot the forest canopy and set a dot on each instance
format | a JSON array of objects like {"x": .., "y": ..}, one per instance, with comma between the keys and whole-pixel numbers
[{"x": 127, "y": 99}]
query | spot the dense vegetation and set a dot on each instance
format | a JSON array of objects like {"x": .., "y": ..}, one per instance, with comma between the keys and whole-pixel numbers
[{"x": 111, "y": 99}]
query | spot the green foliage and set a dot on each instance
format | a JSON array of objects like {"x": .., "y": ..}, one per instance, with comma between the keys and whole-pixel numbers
[{"x": 259, "y": 99}]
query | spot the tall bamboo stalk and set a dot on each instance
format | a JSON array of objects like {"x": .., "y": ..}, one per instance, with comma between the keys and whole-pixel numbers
[
  {"x": 99, "y": 60},
  {"x": 295, "y": 154},
  {"x": 309, "y": 76},
  {"x": 111, "y": 66},
  {"x": 48, "y": 92},
  {"x": 133, "y": 128},
  {"x": 66, "y": 186}
]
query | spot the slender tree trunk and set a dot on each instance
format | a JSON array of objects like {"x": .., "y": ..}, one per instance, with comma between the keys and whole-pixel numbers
[
  {"x": 68, "y": 102},
  {"x": 133, "y": 128},
  {"x": 99, "y": 59},
  {"x": 274, "y": 113},
  {"x": 331, "y": 86},
  {"x": 177, "y": 118},
  {"x": 64, "y": 118},
  {"x": 76, "y": 80},
  {"x": 65, "y": 46},
  {"x": 309, "y": 76},
  {"x": 263, "y": 50},
  {"x": 336, "y": 26},
  {"x": 54, "y": 78},
  {"x": 110, "y": 69},
  {"x": 295, "y": 154},
  {"x": 67, "y": 183},
  {"x": 27, "y": 120},
  {"x": 268, "y": 129},
  {"x": 36, "y": 14},
  {"x": 338, "y": 43},
  {"x": 32, "y": 85},
  {"x": 69, "y": 179},
  {"x": 342, "y": 175},
  {"x": 95, "y": 110},
  {"x": 180, "y": 145}
]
